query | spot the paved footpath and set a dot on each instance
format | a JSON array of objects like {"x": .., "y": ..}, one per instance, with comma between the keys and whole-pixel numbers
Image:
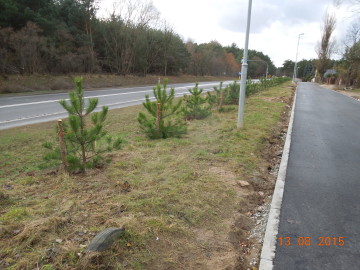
[{"x": 322, "y": 187}]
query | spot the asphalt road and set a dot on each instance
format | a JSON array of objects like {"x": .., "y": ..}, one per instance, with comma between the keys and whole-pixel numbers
[
  {"x": 24, "y": 110},
  {"x": 322, "y": 187}
]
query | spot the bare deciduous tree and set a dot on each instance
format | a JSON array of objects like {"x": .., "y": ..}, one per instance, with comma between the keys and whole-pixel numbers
[
  {"x": 354, "y": 5},
  {"x": 326, "y": 46}
]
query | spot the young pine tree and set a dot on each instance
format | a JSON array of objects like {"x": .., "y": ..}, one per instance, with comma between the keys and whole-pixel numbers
[
  {"x": 165, "y": 116},
  {"x": 81, "y": 139},
  {"x": 219, "y": 97},
  {"x": 196, "y": 107},
  {"x": 232, "y": 94}
]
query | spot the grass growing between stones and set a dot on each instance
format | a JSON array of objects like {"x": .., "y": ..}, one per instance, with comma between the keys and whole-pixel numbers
[{"x": 179, "y": 200}]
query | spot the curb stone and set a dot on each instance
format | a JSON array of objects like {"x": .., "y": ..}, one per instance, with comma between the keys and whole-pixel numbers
[{"x": 269, "y": 245}]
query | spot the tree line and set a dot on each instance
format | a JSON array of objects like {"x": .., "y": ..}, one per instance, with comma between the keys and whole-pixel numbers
[
  {"x": 345, "y": 71},
  {"x": 67, "y": 36}
]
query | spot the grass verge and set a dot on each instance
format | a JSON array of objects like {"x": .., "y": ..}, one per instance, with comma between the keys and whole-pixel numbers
[
  {"x": 13, "y": 84},
  {"x": 183, "y": 202}
]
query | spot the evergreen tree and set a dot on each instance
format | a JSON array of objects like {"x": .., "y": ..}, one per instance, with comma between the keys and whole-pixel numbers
[
  {"x": 196, "y": 107},
  {"x": 165, "y": 117},
  {"x": 219, "y": 98},
  {"x": 81, "y": 140},
  {"x": 232, "y": 93}
]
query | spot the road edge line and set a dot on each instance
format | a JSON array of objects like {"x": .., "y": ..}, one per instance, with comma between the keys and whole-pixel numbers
[{"x": 269, "y": 244}]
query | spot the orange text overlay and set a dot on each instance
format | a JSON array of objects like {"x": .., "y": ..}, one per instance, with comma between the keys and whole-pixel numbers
[{"x": 308, "y": 241}]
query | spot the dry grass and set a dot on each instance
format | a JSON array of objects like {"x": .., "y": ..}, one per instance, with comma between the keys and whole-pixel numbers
[
  {"x": 185, "y": 208},
  {"x": 51, "y": 83}
]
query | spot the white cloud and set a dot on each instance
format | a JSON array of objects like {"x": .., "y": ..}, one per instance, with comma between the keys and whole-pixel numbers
[
  {"x": 265, "y": 13},
  {"x": 275, "y": 24}
]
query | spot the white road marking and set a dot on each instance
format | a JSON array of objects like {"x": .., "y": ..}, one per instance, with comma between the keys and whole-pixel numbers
[
  {"x": 49, "y": 116},
  {"x": 56, "y": 113},
  {"x": 108, "y": 95},
  {"x": 112, "y": 104},
  {"x": 30, "y": 117}
]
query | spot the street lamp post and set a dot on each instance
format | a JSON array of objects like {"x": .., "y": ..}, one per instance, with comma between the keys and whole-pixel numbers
[
  {"x": 297, "y": 50},
  {"x": 240, "y": 122}
]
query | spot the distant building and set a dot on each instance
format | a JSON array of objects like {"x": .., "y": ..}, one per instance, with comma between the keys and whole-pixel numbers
[
  {"x": 330, "y": 76},
  {"x": 330, "y": 73}
]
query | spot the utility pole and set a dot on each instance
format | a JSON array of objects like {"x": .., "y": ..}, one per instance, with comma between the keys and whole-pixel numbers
[
  {"x": 244, "y": 67},
  {"x": 295, "y": 66}
]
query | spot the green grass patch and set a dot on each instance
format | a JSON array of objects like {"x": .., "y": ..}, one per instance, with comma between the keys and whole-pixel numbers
[
  {"x": 14, "y": 215},
  {"x": 353, "y": 90}
]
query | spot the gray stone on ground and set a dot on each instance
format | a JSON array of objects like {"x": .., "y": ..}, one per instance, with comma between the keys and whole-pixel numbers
[{"x": 105, "y": 239}]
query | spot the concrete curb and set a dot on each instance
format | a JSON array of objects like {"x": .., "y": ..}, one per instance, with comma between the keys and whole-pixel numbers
[{"x": 269, "y": 245}]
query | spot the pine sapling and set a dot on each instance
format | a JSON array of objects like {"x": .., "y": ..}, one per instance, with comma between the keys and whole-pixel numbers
[
  {"x": 81, "y": 139},
  {"x": 196, "y": 106},
  {"x": 232, "y": 94},
  {"x": 218, "y": 99},
  {"x": 165, "y": 116}
]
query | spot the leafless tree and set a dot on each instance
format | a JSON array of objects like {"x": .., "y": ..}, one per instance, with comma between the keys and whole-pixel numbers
[
  {"x": 91, "y": 7},
  {"x": 353, "y": 35},
  {"x": 326, "y": 46},
  {"x": 166, "y": 44},
  {"x": 129, "y": 29},
  {"x": 137, "y": 12},
  {"x": 353, "y": 5}
]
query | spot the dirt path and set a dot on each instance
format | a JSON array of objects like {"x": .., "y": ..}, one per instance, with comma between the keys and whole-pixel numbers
[{"x": 344, "y": 92}]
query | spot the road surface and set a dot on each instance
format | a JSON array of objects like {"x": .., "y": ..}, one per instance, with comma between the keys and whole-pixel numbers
[
  {"x": 25, "y": 110},
  {"x": 320, "y": 214}
]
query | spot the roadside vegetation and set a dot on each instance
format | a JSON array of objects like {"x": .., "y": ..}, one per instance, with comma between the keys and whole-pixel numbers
[
  {"x": 178, "y": 199},
  {"x": 343, "y": 73},
  {"x": 61, "y": 37},
  {"x": 81, "y": 143}
]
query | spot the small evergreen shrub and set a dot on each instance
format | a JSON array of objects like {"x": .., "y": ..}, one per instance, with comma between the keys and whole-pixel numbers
[
  {"x": 164, "y": 119},
  {"x": 255, "y": 87},
  {"x": 232, "y": 92},
  {"x": 225, "y": 96},
  {"x": 196, "y": 106},
  {"x": 219, "y": 97},
  {"x": 84, "y": 143}
]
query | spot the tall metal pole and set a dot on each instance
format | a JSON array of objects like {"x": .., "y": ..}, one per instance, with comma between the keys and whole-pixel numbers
[
  {"x": 297, "y": 50},
  {"x": 244, "y": 67}
]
